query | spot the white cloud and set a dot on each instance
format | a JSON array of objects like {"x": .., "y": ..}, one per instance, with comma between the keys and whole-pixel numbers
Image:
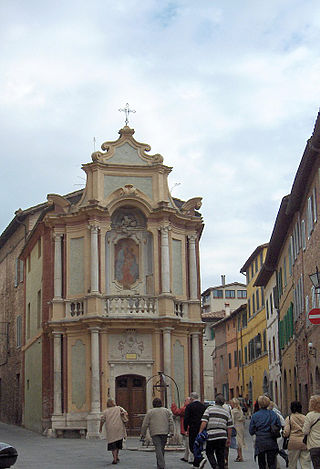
[{"x": 226, "y": 92}]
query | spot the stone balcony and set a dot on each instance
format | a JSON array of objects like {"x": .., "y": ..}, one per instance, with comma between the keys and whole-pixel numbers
[
  {"x": 124, "y": 306},
  {"x": 117, "y": 305}
]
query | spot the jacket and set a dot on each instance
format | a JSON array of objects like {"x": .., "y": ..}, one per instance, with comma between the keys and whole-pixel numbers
[
  {"x": 192, "y": 416},
  {"x": 293, "y": 430},
  {"x": 260, "y": 426},
  {"x": 314, "y": 432},
  {"x": 159, "y": 421},
  {"x": 180, "y": 413},
  {"x": 198, "y": 444}
]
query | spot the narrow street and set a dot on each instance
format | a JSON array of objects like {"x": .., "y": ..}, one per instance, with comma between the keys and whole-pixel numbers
[{"x": 38, "y": 452}]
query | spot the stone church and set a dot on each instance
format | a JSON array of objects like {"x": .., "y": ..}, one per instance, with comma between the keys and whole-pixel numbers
[{"x": 111, "y": 294}]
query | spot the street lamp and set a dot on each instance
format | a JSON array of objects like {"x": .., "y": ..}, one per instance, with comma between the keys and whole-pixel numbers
[{"x": 315, "y": 279}]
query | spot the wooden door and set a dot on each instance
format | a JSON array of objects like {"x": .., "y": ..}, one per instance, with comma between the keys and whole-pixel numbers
[{"x": 131, "y": 395}]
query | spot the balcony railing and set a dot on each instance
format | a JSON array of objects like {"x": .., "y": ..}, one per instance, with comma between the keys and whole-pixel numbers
[
  {"x": 76, "y": 308},
  {"x": 131, "y": 306},
  {"x": 181, "y": 309}
]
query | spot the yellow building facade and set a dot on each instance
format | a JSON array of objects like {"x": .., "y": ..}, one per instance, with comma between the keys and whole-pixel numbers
[{"x": 252, "y": 339}]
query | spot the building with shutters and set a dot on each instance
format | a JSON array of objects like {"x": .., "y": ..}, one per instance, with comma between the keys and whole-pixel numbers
[
  {"x": 255, "y": 371},
  {"x": 292, "y": 256},
  {"x": 110, "y": 294}
]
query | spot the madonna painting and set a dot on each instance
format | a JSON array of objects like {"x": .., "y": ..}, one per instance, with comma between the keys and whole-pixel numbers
[{"x": 126, "y": 262}]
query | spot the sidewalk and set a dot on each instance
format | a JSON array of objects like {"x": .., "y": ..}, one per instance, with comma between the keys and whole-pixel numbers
[{"x": 38, "y": 452}]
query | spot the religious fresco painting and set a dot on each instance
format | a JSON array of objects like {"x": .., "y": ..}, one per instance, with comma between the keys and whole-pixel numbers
[{"x": 126, "y": 259}]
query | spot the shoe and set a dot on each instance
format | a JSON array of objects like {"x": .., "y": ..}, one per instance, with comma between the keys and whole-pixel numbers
[
  {"x": 202, "y": 463},
  {"x": 114, "y": 462},
  {"x": 182, "y": 459}
]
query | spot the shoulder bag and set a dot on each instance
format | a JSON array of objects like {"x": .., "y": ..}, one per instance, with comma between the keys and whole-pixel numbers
[
  {"x": 305, "y": 438},
  {"x": 274, "y": 429}
]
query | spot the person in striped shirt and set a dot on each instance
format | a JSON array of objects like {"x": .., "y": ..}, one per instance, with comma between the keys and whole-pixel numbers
[{"x": 218, "y": 423}]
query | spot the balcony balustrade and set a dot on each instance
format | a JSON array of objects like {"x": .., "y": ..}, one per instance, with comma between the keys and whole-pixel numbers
[
  {"x": 124, "y": 305},
  {"x": 131, "y": 306}
]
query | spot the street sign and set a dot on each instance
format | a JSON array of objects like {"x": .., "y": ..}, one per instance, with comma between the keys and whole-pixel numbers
[{"x": 314, "y": 316}]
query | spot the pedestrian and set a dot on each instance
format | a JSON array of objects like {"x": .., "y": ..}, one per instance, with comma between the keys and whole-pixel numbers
[
  {"x": 297, "y": 450},
  {"x": 238, "y": 419},
  {"x": 188, "y": 456},
  {"x": 266, "y": 447},
  {"x": 218, "y": 423},
  {"x": 311, "y": 427},
  {"x": 272, "y": 406},
  {"x": 113, "y": 419},
  {"x": 159, "y": 421},
  {"x": 192, "y": 421},
  {"x": 227, "y": 448}
]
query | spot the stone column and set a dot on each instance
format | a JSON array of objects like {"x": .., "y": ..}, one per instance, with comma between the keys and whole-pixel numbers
[
  {"x": 167, "y": 360},
  {"x": 93, "y": 419},
  {"x": 57, "y": 374},
  {"x": 195, "y": 362},
  {"x": 193, "y": 278},
  {"x": 94, "y": 259},
  {"x": 165, "y": 260},
  {"x": 58, "y": 266},
  {"x": 95, "y": 370}
]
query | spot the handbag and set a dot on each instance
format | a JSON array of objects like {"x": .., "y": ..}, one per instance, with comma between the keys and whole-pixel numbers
[
  {"x": 274, "y": 429},
  {"x": 233, "y": 432}
]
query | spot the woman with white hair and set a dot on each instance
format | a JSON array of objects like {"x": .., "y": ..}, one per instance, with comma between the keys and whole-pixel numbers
[
  {"x": 266, "y": 447},
  {"x": 113, "y": 418},
  {"x": 311, "y": 428}
]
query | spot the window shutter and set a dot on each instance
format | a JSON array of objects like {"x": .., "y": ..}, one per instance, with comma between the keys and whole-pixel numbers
[
  {"x": 310, "y": 224},
  {"x": 314, "y": 195},
  {"x": 303, "y": 234}
]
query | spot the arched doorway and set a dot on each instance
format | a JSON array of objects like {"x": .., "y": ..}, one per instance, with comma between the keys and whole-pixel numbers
[{"x": 131, "y": 395}]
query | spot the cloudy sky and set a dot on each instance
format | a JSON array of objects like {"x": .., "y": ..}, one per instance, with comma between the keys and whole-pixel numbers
[{"x": 226, "y": 90}]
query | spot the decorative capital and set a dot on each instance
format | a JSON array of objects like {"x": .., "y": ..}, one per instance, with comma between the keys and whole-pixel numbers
[
  {"x": 192, "y": 238},
  {"x": 165, "y": 229},
  {"x": 57, "y": 237},
  {"x": 93, "y": 227}
]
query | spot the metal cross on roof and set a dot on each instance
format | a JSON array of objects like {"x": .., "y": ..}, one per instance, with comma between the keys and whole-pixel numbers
[{"x": 127, "y": 110}]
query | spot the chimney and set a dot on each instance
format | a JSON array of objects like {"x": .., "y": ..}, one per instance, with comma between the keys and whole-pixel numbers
[
  {"x": 227, "y": 309},
  {"x": 223, "y": 280}
]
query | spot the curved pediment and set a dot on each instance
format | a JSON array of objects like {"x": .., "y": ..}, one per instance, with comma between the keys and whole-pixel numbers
[
  {"x": 129, "y": 193},
  {"x": 126, "y": 151}
]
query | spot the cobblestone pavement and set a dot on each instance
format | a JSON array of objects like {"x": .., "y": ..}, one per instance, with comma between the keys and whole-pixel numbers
[{"x": 38, "y": 452}]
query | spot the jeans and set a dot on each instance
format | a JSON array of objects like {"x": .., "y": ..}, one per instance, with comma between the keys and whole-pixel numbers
[
  {"x": 215, "y": 453},
  {"x": 271, "y": 456},
  {"x": 159, "y": 442}
]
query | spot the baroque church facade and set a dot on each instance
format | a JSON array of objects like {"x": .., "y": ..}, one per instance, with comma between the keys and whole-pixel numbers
[{"x": 111, "y": 294}]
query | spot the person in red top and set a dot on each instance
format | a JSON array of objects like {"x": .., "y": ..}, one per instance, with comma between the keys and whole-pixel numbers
[{"x": 188, "y": 456}]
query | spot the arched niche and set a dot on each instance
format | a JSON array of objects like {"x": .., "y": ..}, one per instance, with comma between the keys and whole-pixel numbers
[{"x": 129, "y": 254}]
